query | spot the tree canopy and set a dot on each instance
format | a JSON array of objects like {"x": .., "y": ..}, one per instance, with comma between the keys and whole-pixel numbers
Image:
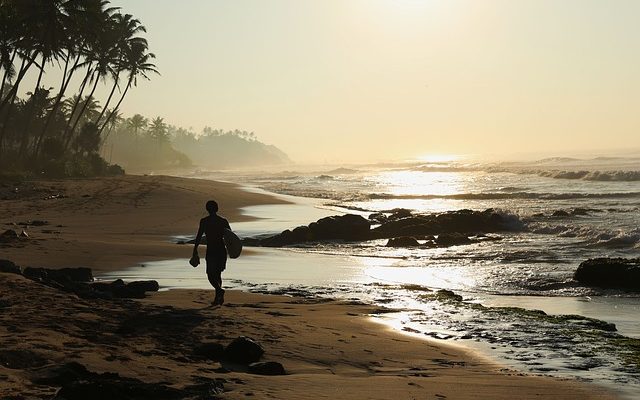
[{"x": 89, "y": 42}]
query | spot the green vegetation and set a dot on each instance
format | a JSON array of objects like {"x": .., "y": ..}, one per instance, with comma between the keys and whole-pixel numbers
[{"x": 58, "y": 132}]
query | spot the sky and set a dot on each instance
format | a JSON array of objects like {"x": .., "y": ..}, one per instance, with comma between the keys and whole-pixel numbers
[{"x": 377, "y": 80}]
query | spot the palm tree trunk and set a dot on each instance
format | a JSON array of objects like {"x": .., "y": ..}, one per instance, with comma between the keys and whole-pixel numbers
[
  {"x": 63, "y": 87},
  {"x": 113, "y": 89},
  {"x": 32, "y": 109},
  {"x": 117, "y": 105},
  {"x": 75, "y": 104},
  {"x": 84, "y": 107}
]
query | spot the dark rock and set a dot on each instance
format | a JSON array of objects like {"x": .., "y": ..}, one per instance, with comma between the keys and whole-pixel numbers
[
  {"x": 267, "y": 368},
  {"x": 398, "y": 213},
  {"x": 560, "y": 213},
  {"x": 339, "y": 227},
  {"x": 144, "y": 286},
  {"x": 9, "y": 236},
  {"x": 9, "y": 267},
  {"x": 210, "y": 351},
  {"x": 619, "y": 273},
  {"x": 378, "y": 218},
  {"x": 132, "y": 290},
  {"x": 444, "y": 294},
  {"x": 460, "y": 221},
  {"x": 400, "y": 223},
  {"x": 452, "y": 239},
  {"x": 403, "y": 241},
  {"x": 35, "y": 274},
  {"x": 73, "y": 274},
  {"x": 243, "y": 350}
]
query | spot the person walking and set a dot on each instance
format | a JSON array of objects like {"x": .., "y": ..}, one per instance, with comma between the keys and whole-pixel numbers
[{"x": 213, "y": 226}]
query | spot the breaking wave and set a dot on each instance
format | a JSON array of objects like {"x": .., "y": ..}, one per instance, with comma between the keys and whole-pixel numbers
[
  {"x": 505, "y": 195},
  {"x": 594, "y": 237},
  {"x": 602, "y": 176}
]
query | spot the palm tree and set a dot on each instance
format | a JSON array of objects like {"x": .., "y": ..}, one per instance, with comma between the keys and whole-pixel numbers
[
  {"x": 104, "y": 56},
  {"x": 116, "y": 120},
  {"x": 80, "y": 30},
  {"x": 158, "y": 130},
  {"x": 136, "y": 123},
  {"x": 126, "y": 28},
  {"x": 137, "y": 62}
]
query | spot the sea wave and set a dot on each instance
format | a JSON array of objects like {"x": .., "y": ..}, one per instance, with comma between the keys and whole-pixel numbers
[
  {"x": 586, "y": 175},
  {"x": 504, "y": 195},
  {"x": 594, "y": 237}
]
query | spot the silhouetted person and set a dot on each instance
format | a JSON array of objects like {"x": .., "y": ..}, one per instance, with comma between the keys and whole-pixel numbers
[{"x": 213, "y": 226}]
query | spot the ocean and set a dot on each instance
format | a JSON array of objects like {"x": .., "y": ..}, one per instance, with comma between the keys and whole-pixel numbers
[{"x": 518, "y": 302}]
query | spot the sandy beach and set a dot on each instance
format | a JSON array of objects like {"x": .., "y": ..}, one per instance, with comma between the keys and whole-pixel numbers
[{"x": 329, "y": 349}]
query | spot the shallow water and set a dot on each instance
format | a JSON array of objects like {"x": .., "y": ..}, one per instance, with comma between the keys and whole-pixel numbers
[{"x": 524, "y": 270}]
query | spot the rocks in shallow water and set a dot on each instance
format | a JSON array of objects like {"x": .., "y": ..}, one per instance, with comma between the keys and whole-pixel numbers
[
  {"x": 615, "y": 273},
  {"x": 267, "y": 368},
  {"x": 337, "y": 227},
  {"x": 444, "y": 294},
  {"x": 9, "y": 267},
  {"x": 243, "y": 350},
  {"x": 403, "y": 241},
  {"x": 452, "y": 239},
  {"x": 400, "y": 223}
]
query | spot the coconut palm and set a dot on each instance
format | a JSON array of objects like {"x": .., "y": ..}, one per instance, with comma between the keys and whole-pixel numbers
[
  {"x": 138, "y": 63},
  {"x": 137, "y": 122},
  {"x": 79, "y": 26},
  {"x": 126, "y": 27}
]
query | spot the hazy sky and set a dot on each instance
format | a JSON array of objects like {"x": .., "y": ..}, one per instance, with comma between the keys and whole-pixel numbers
[{"x": 341, "y": 80}]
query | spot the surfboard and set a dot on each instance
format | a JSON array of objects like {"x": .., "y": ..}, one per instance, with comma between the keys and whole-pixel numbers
[{"x": 233, "y": 243}]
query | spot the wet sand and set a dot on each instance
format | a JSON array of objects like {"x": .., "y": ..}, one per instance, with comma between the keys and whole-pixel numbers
[{"x": 330, "y": 349}]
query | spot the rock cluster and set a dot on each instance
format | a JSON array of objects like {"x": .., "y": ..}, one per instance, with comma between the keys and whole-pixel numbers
[
  {"x": 401, "y": 226},
  {"x": 615, "y": 273},
  {"x": 242, "y": 352},
  {"x": 80, "y": 282}
]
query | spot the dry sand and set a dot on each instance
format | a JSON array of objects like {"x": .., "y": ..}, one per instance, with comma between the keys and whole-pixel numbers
[
  {"x": 330, "y": 349},
  {"x": 113, "y": 223}
]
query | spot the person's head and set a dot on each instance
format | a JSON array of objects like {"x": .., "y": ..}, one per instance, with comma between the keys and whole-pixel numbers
[{"x": 212, "y": 207}]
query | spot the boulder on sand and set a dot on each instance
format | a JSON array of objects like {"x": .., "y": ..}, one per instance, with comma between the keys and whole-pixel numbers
[
  {"x": 267, "y": 368},
  {"x": 615, "y": 273},
  {"x": 243, "y": 350},
  {"x": 9, "y": 267}
]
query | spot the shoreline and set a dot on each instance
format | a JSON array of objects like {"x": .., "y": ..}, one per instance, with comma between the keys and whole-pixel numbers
[{"x": 170, "y": 190}]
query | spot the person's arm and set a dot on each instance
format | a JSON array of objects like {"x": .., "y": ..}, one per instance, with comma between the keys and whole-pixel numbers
[{"x": 198, "y": 238}]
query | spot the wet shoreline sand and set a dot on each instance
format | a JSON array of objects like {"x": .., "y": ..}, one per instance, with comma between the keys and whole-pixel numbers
[{"x": 329, "y": 348}]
